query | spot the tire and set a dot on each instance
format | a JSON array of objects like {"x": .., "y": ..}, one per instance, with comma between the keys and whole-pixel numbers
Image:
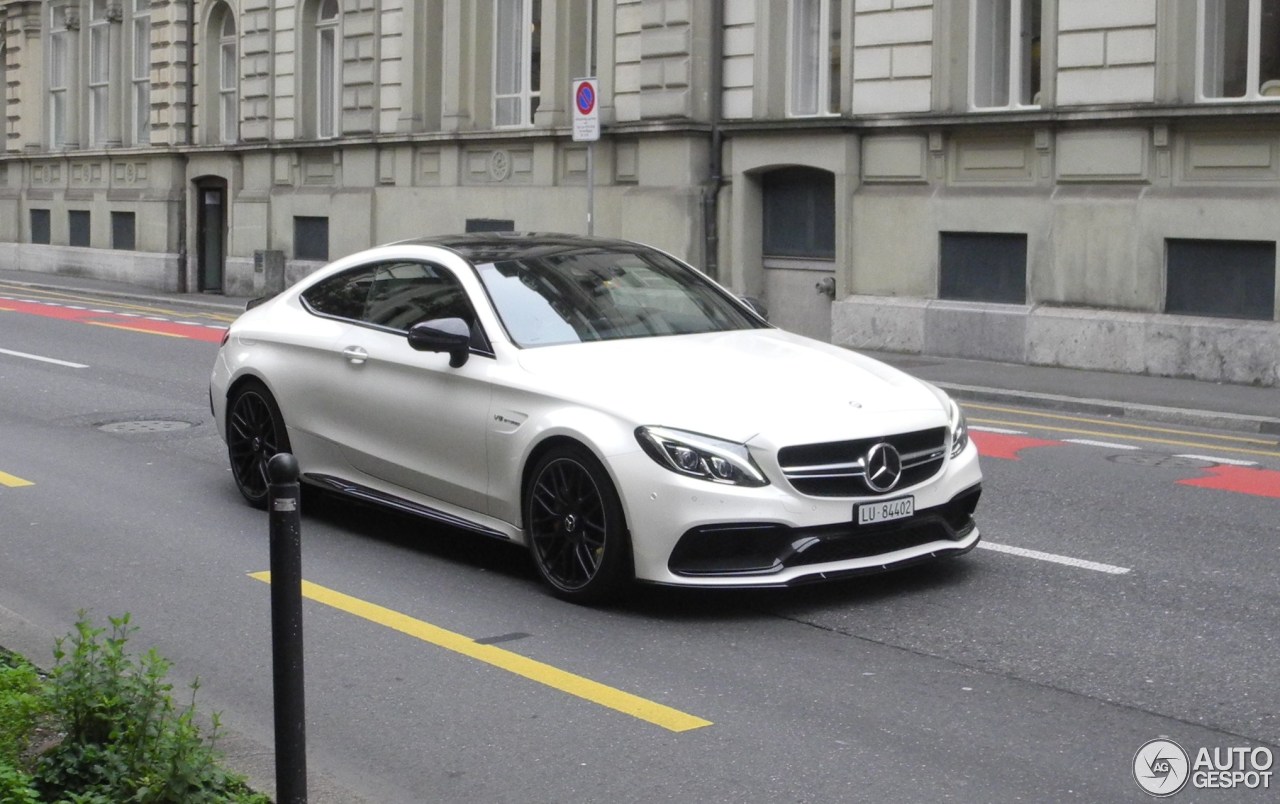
[
  {"x": 576, "y": 530},
  {"x": 255, "y": 432}
]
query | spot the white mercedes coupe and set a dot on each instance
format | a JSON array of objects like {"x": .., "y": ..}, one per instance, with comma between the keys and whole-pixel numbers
[{"x": 603, "y": 404}]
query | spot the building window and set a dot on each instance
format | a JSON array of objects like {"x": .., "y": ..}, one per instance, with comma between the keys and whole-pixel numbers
[
  {"x": 141, "y": 73},
  {"x": 814, "y": 82},
  {"x": 799, "y": 213},
  {"x": 983, "y": 266},
  {"x": 59, "y": 74},
  {"x": 310, "y": 238},
  {"x": 123, "y": 231},
  {"x": 327, "y": 70},
  {"x": 517, "y": 61},
  {"x": 227, "y": 70},
  {"x": 1222, "y": 278},
  {"x": 4, "y": 96},
  {"x": 78, "y": 227},
  {"x": 1004, "y": 54},
  {"x": 40, "y": 226},
  {"x": 1238, "y": 57},
  {"x": 99, "y": 72}
]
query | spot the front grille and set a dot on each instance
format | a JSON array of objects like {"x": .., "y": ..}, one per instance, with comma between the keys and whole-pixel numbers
[
  {"x": 762, "y": 549},
  {"x": 837, "y": 468}
]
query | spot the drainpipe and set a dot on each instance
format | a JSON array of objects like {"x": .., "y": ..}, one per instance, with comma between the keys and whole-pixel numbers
[
  {"x": 183, "y": 158},
  {"x": 715, "y": 164}
]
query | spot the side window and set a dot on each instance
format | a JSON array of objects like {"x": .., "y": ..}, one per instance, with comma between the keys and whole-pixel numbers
[
  {"x": 406, "y": 293},
  {"x": 342, "y": 296}
]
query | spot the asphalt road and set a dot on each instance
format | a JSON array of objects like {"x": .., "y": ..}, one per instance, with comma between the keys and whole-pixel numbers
[{"x": 1124, "y": 592}]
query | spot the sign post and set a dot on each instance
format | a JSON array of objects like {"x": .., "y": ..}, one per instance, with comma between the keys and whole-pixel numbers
[{"x": 586, "y": 128}]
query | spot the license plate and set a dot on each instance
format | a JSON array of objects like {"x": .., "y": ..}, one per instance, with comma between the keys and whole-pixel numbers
[{"x": 886, "y": 510}]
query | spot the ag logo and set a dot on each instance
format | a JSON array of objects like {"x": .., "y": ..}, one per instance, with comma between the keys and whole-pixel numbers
[{"x": 1161, "y": 768}]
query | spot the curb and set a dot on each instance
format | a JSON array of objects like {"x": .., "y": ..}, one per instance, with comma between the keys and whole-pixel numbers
[
  {"x": 1101, "y": 407},
  {"x": 231, "y": 302}
]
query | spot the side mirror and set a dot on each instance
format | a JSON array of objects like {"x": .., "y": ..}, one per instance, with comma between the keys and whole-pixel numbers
[
  {"x": 756, "y": 306},
  {"x": 450, "y": 335}
]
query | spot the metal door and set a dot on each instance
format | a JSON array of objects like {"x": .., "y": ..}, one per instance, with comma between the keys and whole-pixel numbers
[{"x": 211, "y": 234}]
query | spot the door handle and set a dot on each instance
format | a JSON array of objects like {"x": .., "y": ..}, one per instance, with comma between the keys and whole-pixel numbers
[{"x": 355, "y": 354}]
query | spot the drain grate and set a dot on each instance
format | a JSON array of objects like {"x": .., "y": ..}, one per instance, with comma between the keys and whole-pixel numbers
[{"x": 145, "y": 426}]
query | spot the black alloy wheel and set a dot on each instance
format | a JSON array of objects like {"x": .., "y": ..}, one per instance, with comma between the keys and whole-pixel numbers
[
  {"x": 255, "y": 432},
  {"x": 575, "y": 526}
]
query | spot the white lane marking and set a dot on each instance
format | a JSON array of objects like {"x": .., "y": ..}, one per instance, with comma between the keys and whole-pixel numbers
[
  {"x": 1109, "y": 445},
  {"x": 54, "y": 361},
  {"x": 1110, "y": 569},
  {"x": 1230, "y": 461},
  {"x": 1000, "y": 430}
]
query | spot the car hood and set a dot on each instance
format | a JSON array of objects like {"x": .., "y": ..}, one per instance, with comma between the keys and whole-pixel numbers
[{"x": 764, "y": 386}]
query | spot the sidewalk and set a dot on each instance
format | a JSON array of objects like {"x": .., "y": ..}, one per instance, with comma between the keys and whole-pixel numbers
[{"x": 1165, "y": 399}]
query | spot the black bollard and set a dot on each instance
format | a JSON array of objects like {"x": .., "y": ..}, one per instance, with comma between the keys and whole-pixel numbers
[{"x": 285, "y": 514}]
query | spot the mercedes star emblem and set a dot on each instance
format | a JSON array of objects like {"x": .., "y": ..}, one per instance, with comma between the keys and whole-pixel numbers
[{"x": 884, "y": 467}]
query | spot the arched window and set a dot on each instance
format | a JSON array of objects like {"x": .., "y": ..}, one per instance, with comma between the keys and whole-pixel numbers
[
  {"x": 60, "y": 53},
  {"x": 328, "y": 62},
  {"x": 224, "y": 73},
  {"x": 141, "y": 71},
  {"x": 4, "y": 98},
  {"x": 99, "y": 72}
]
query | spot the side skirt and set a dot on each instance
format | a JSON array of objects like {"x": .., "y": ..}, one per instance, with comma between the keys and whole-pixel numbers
[{"x": 400, "y": 504}]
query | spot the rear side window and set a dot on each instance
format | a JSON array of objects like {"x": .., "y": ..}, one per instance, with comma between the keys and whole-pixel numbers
[
  {"x": 343, "y": 295},
  {"x": 395, "y": 296}
]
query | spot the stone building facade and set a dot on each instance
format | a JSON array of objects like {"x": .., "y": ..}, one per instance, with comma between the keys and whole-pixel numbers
[{"x": 1068, "y": 182}]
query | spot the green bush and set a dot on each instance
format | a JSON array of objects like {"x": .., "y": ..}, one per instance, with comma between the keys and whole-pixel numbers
[
  {"x": 118, "y": 735},
  {"x": 20, "y": 706}
]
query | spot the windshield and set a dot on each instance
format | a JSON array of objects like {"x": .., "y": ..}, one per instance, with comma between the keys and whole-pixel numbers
[{"x": 599, "y": 295}]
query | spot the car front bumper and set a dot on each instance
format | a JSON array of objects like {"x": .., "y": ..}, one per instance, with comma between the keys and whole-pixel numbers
[{"x": 689, "y": 532}]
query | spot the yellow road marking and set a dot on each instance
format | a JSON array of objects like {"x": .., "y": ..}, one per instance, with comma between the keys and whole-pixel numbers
[
  {"x": 1120, "y": 425},
  {"x": 1145, "y": 439},
  {"x": 134, "y": 329},
  {"x": 584, "y": 688},
  {"x": 12, "y": 481}
]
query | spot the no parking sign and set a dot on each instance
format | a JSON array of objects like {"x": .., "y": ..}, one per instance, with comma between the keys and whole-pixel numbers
[{"x": 586, "y": 112}]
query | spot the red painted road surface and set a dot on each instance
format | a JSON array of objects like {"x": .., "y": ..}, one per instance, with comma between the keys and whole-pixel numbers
[
  {"x": 1239, "y": 479},
  {"x": 114, "y": 320}
]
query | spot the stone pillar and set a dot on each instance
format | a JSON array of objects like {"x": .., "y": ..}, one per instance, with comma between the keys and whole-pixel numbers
[{"x": 459, "y": 67}]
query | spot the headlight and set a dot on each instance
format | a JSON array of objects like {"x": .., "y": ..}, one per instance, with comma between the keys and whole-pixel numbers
[
  {"x": 701, "y": 456},
  {"x": 958, "y": 426}
]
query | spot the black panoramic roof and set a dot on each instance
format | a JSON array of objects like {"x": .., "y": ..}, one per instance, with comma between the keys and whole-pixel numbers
[{"x": 486, "y": 247}]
